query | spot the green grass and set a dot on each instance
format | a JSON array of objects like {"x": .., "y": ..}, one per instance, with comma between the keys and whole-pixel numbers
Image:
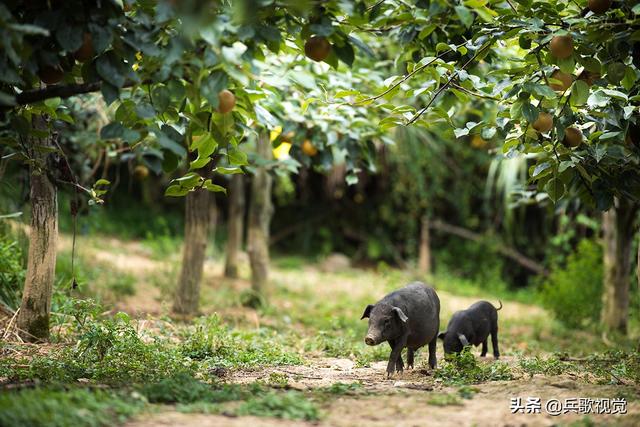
[
  {"x": 290, "y": 405},
  {"x": 45, "y": 407}
]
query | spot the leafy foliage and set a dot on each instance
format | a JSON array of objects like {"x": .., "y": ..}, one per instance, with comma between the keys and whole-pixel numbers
[
  {"x": 11, "y": 273},
  {"x": 573, "y": 292}
]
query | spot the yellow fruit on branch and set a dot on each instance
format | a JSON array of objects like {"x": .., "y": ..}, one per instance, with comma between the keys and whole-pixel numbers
[
  {"x": 140, "y": 172},
  {"x": 478, "y": 142},
  {"x": 317, "y": 48},
  {"x": 543, "y": 123},
  {"x": 561, "y": 47},
  {"x": 572, "y": 137},
  {"x": 564, "y": 81},
  {"x": 308, "y": 148},
  {"x": 226, "y": 101}
]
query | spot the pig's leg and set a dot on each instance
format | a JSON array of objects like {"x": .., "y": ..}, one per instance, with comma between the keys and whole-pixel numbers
[
  {"x": 432, "y": 352},
  {"x": 396, "y": 353},
  {"x": 410, "y": 358},
  {"x": 494, "y": 341},
  {"x": 484, "y": 347},
  {"x": 399, "y": 362}
]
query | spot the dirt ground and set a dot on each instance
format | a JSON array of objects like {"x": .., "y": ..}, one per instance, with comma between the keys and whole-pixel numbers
[{"x": 403, "y": 400}]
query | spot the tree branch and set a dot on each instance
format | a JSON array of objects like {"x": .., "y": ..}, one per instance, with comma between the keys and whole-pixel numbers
[
  {"x": 408, "y": 76},
  {"x": 56, "y": 91},
  {"x": 506, "y": 251},
  {"x": 446, "y": 85}
]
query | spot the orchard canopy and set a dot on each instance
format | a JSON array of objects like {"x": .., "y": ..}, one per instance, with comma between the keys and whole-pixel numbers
[{"x": 194, "y": 81}]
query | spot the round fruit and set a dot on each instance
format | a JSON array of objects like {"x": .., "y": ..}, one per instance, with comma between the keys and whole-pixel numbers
[
  {"x": 288, "y": 137},
  {"x": 589, "y": 77},
  {"x": 564, "y": 79},
  {"x": 561, "y": 47},
  {"x": 599, "y": 6},
  {"x": 543, "y": 123},
  {"x": 50, "y": 75},
  {"x": 86, "y": 50},
  {"x": 572, "y": 137},
  {"x": 478, "y": 142},
  {"x": 308, "y": 148},
  {"x": 141, "y": 172},
  {"x": 317, "y": 48},
  {"x": 227, "y": 100}
]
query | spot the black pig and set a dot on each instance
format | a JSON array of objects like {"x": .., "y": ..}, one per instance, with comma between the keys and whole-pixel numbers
[
  {"x": 408, "y": 317},
  {"x": 472, "y": 326}
]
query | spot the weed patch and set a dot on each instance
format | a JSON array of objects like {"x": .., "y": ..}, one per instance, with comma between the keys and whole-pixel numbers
[{"x": 463, "y": 368}]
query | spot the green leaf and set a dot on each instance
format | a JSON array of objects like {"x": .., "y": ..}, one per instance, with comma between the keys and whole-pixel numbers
[
  {"x": 555, "y": 189},
  {"x": 108, "y": 67},
  {"x": 345, "y": 53},
  {"x": 112, "y": 131},
  {"x": 161, "y": 98},
  {"x": 237, "y": 157},
  {"x": 465, "y": 15},
  {"x": 228, "y": 171},
  {"x": 579, "y": 93},
  {"x": 69, "y": 37},
  {"x": 214, "y": 187},
  {"x": 102, "y": 181},
  {"x": 529, "y": 112},
  {"x": 616, "y": 72},
  {"x": 200, "y": 162},
  {"x": 176, "y": 191}
]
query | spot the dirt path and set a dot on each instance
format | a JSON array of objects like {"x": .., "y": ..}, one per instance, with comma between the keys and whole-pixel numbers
[{"x": 407, "y": 400}]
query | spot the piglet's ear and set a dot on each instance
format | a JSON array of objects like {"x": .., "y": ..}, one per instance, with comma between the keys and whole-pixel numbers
[
  {"x": 367, "y": 311},
  {"x": 441, "y": 335},
  {"x": 401, "y": 314},
  {"x": 463, "y": 340}
]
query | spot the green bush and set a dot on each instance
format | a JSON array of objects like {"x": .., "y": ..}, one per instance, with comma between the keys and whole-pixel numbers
[
  {"x": 573, "y": 292},
  {"x": 11, "y": 272}
]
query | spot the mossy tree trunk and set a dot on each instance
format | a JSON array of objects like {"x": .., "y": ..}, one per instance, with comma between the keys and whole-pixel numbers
[
  {"x": 196, "y": 234},
  {"x": 33, "y": 318},
  {"x": 617, "y": 225},
  {"x": 424, "y": 253},
  {"x": 260, "y": 212},
  {"x": 235, "y": 225}
]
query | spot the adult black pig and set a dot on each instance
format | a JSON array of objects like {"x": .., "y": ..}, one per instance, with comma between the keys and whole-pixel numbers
[
  {"x": 408, "y": 317},
  {"x": 472, "y": 326}
]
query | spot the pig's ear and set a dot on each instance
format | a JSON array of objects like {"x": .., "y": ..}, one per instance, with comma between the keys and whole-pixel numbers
[
  {"x": 441, "y": 335},
  {"x": 367, "y": 311},
  {"x": 401, "y": 314},
  {"x": 463, "y": 340}
]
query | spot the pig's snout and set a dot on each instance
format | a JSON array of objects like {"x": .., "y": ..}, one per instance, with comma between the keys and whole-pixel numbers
[{"x": 369, "y": 340}]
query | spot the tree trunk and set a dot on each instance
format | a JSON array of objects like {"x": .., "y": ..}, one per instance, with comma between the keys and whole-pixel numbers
[
  {"x": 33, "y": 318},
  {"x": 260, "y": 211},
  {"x": 196, "y": 233},
  {"x": 424, "y": 254},
  {"x": 235, "y": 226},
  {"x": 617, "y": 226}
]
